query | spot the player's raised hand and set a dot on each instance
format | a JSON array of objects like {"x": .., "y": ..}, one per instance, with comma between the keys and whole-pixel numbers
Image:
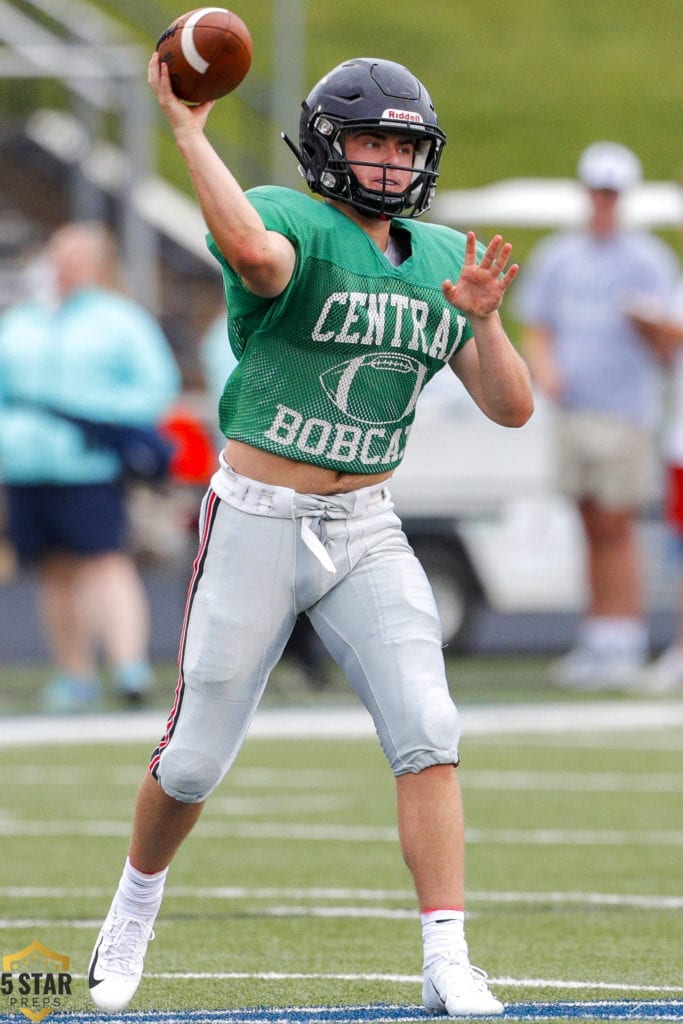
[
  {"x": 178, "y": 113},
  {"x": 479, "y": 290}
]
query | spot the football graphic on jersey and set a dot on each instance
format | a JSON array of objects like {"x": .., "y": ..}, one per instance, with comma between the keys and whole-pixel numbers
[{"x": 379, "y": 387}]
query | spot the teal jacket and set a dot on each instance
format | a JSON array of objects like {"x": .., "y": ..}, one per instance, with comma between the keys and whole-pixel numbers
[{"x": 99, "y": 356}]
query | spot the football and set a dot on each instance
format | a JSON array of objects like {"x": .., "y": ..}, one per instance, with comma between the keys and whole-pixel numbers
[{"x": 208, "y": 52}]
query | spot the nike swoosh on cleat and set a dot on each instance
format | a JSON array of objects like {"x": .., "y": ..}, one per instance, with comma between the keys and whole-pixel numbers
[
  {"x": 92, "y": 980},
  {"x": 438, "y": 993}
]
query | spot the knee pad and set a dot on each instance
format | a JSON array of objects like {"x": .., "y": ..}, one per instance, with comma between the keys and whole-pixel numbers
[
  {"x": 188, "y": 775},
  {"x": 429, "y": 738}
]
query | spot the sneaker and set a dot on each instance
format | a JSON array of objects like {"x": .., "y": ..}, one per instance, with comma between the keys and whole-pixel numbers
[
  {"x": 70, "y": 694},
  {"x": 134, "y": 682},
  {"x": 453, "y": 986},
  {"x": 665, "y": 675},
  {"x": 585, "y": 670},
  {"x": 116, "y": 965}
]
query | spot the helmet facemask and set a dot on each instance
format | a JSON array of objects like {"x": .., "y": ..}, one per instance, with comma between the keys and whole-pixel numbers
[{"x": 338, "y": 179}]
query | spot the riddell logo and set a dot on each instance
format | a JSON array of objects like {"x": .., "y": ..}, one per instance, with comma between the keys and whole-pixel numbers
[{"x": 402, "y": 115}]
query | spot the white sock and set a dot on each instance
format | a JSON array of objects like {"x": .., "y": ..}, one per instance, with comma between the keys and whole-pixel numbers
[
  {"x": 139, "y": 895},
  {"x": 614, "y": 636},
  {"x": 443, "y": 932}
]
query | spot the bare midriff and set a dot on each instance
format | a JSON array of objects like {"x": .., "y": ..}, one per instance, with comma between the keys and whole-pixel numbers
[{"x": 303, "y": 477}]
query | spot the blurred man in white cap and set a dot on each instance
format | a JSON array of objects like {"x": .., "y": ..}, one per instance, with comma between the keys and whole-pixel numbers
[{"x": 603, "y": 377}]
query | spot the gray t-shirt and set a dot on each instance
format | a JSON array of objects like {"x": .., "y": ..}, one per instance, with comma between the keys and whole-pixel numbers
[{"x": 578, "y": 287}]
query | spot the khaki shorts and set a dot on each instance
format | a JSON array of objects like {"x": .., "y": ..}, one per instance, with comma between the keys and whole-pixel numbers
[{"x": 604, "y": 458}]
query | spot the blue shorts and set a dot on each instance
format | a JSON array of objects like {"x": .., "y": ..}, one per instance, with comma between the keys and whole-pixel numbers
[{"x": 80, "y": 519}]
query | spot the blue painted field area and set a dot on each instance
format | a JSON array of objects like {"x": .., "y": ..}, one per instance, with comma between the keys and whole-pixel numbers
[{"x": 383, "y": 1014}]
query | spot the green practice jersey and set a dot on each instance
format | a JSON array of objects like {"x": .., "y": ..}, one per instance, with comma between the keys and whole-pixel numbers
[{"x": 330, "y": 371}]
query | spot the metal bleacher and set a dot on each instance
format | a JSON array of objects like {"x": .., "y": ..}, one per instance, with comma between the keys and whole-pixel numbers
[
  {"x": 78, "y": 133},
  {"x": 98, "y": 74}
]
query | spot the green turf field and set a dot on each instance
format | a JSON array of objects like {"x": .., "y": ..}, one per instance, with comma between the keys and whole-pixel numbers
[{"x": 292, "y": 892}]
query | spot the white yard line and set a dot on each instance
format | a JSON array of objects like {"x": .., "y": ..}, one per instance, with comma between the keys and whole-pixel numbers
[
  {"x": 400, "y": 979},
  {"x": 572, "y": 782},
  {"x": 349, "y": 722},
  {"x": 325, "y": 785},
  {"x": 319, "y": 894},
  {"x": 294, "y": 832}
]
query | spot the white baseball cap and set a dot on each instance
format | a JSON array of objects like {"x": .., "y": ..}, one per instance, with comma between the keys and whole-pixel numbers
[{"x": 609, "y": 165}]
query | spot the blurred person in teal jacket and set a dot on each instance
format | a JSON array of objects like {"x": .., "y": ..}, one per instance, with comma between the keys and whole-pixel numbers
[{"x": 88, "y": 352}]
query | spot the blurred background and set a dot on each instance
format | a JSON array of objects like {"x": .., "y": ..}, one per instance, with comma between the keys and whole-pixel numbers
[{"x": 520, "y": 90}]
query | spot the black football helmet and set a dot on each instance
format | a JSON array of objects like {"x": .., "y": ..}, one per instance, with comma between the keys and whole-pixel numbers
[{"x": 367, "y": 94}]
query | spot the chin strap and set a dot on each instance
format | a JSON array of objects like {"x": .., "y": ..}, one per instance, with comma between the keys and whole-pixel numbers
[{"x": 295, "y": 150}]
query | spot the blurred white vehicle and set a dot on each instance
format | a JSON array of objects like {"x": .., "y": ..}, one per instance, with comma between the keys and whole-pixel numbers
[{"x": 480, "y": 508}]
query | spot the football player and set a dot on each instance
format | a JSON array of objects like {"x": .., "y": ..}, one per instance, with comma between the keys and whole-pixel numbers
[{"x": 340, "y": 311}]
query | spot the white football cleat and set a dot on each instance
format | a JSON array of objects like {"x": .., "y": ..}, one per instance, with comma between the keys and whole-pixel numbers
[
  {"x": 453, "y": 986},
  {"x": 117, "y": 961}
]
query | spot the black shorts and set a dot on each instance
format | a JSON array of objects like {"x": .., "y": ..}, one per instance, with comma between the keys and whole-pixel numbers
[{"x": 80, "y": 519}]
